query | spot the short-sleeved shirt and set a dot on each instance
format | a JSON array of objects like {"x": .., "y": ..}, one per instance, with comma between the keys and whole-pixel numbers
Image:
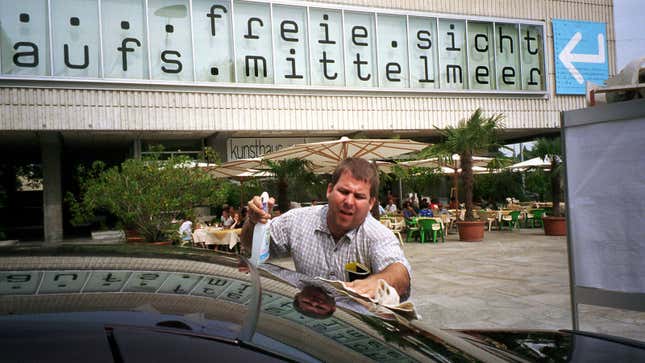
[{"x": 304, "y": 234}]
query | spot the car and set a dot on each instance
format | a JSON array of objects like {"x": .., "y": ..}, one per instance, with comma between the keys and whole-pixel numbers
[{"x": 123, "y": 303}]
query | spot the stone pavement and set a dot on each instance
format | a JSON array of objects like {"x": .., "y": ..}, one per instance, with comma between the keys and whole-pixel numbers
[{"x": 515, "y": 279}]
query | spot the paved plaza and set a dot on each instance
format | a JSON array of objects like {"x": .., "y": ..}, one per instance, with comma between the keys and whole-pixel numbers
[{"x": 517, "y": 279}]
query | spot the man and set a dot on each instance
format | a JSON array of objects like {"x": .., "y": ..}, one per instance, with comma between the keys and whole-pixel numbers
[{"x": 322, "y": 239}]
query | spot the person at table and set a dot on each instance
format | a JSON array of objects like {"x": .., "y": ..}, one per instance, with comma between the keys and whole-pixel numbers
[
  {"x": 186, "y": 230},
  {"x": 323, "y": 239},
  {"x": 235, "y": 216},
  {"x": 408, "y": 211},
  {"x": 425, "y": 210},
  {"x": 390, "y": 207},
  {"x": 226, "y": 218}
]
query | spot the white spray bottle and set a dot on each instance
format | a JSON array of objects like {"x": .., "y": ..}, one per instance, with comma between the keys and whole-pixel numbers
[{"x": 261, "y": 236}]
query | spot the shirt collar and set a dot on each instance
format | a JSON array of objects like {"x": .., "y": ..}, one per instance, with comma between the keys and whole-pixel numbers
[{"x": 324, "y": 228}]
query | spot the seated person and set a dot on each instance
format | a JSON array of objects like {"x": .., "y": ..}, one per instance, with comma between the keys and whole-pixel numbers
[
  {"x": 226, "y": 218},
  {"x": 408, "y": 211},
  {"x": 425, "y": 212},
  {"x": 390, "y": 207},
  {"x": 186, "y": 231},
  {"x": 232, "y": 212},
  {"x": 322, "y": 239}
]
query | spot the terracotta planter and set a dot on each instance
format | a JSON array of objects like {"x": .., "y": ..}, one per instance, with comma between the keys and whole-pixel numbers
[
  {"x": 471, "y": 231},
  {"x": 555, "y": 226}
]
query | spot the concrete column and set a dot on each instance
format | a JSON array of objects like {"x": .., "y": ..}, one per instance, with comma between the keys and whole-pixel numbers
[
  {"x": 51, "y": 150},
  {"x": 136, "y": 148}
]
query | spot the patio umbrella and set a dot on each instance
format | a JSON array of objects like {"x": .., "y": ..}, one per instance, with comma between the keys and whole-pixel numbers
[
  {"x": 384, "y": 166},
  {"x": 233, "y": 168},
  {"x": 535, "y": 163},
  {"x": 326, "y": 153},
  {"x": 451, "y": 166}
]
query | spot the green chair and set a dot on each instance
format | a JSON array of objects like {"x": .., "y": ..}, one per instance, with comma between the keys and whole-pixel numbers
[
  {"x": 411, "y": 229},
  {"x": 430, "y": 227},
  {"x": 512, "y": 220},
  {"x": 537, "y": 217}
]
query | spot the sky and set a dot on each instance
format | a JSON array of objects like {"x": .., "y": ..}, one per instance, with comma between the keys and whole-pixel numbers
[{"x": 629, "y": 17}]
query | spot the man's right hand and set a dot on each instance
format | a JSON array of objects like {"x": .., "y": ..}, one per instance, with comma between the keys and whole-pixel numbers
[{"x": 256, "y": 213}]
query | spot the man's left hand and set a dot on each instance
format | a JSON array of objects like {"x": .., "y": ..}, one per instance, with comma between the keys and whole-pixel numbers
[{"x": 366, "y": 286}]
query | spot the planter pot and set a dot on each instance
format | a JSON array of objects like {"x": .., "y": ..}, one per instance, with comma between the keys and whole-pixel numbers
[
  {"x": 471, "y": 231},
  {"x": 555, "y": 226}
]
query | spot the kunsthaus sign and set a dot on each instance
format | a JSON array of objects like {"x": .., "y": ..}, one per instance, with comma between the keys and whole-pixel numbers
[{"x": 281, "y": 44}]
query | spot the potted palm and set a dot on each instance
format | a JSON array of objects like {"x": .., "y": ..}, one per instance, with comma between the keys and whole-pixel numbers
[
  {"x": 551, "y": 150},
  {"x": 474, "y": 135}
]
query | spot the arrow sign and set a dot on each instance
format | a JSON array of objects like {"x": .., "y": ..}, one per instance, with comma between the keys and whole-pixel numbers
[
  {"x": 567, "y": 57},
  {"x": 580, "y": 55}
]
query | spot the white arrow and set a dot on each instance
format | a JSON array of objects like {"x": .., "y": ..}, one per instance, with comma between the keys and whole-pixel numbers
[{"x": 567, "y": 58}]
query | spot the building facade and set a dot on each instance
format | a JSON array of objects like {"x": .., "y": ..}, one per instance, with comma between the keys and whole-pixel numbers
[{"x": 92, "y": 79}]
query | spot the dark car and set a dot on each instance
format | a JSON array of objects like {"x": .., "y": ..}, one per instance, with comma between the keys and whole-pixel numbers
[{"x": 134, "y": 304}]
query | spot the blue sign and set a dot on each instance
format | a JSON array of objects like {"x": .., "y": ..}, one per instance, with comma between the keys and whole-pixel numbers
[{"x": 580, "y": 50}]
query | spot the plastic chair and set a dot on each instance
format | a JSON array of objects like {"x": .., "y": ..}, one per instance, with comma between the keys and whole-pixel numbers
[
  {"x": 396, "y": 228},
  {"x": 487, "y": 217},
  {"x": 430, "y": 226},
  {"x": 537, "y": 217},
  {"x": 512, "y": 220},
  {"x": 412, "y": 228}
]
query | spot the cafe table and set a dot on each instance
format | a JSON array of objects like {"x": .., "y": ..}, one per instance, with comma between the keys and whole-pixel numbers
[{"x": 217, "y": 236}]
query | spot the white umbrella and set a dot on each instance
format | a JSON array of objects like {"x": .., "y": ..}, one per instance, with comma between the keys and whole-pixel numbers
[
  {"x": 327, "y": 153},
  {"x": 534, "y": 163},
  {"x": 451, "y": 166},
  {"x": 233, "y": 168},
  {"x": 384, "y": 166}
]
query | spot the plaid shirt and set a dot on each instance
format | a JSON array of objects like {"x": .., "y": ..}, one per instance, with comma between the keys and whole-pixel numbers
[{"x": 304, "y": 234}]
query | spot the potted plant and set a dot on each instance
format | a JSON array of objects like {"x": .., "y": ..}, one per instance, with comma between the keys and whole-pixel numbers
[
  {"x": 550, "y": 149},
  {"x": 474, "y": 135}
]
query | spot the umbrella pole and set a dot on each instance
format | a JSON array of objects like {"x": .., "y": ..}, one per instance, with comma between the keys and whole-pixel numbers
[
  {"x": 455, "y": 178},
  {"x": 400, "y": 194},
  {"x": 241, "y": 194}
]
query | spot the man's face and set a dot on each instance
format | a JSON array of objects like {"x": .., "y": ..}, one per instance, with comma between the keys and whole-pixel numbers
[
  {"x": 349, "y": 202},
  {"x": 315, "y": 301}
]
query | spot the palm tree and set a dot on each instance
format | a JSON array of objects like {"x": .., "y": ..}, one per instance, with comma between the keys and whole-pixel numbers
[
  {"x": 474, "y": 135},
  {"x": 551, "y": 149},
  {"x": 286, "y": 171}
]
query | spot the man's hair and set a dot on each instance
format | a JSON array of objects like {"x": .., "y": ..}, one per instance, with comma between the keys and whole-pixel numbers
[{"x": 360, "y": 169}]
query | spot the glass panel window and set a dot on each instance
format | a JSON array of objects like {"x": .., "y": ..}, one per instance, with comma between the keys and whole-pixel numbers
[
  {"x": 171, "y": 55},
  {"x": 360, "y": 49},
  {"x": 423, "y": 52},
  {"x": 327, "y": 65},
  {"x": 125, "y": 50},
  {"x": 481, "y": 56},
  {"x": 393, "y": 52},
  {"x": 532, "y": 57},
  {"x": 508, "y": 56},
  {"x": 213, "y": 40},
  {"x": 253, "y": 43},
  {"x": 24, "y": 43},
  {"x": 452, "y": 53},
  {"x": 290, "y": 40},
  {"x": 75, "y": 30}
]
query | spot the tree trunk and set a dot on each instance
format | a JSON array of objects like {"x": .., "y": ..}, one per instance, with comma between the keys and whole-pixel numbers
[
  {"x": 467, "y": 177},
  {"x": 555, "y": 189},
  {"x": 283, "y": 199}
]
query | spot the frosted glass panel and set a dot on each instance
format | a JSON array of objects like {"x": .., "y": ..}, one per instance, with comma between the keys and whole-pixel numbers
[
  {"x": 24, "y": 48},
  {"x": 75, "y": 30}
]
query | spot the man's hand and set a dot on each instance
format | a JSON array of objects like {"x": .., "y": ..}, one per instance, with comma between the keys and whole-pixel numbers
[
  {"x": 366, "y": 286},
  {"x": 254, "y": 215},
  {"x": 396, "y": 275}
]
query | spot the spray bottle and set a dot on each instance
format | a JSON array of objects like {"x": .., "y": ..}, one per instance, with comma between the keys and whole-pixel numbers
[{"x": 261, "y": 236}]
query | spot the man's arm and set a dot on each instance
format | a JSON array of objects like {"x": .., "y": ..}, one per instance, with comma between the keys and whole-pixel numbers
[{"x": 396, "y": 275}]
